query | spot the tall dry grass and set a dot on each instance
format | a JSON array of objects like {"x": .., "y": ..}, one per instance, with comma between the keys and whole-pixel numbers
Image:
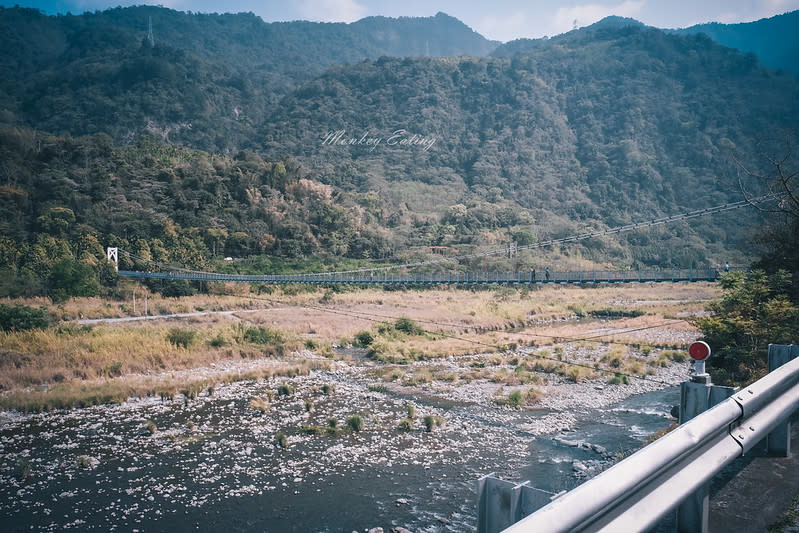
[
  {"x": 66, "y": 353},
  {"x": 481, "y": 320},
  {"x": 167, "y": 387}
]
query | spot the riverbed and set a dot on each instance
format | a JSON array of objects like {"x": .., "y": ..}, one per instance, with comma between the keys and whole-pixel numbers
[{"x": 215, "y": 462}]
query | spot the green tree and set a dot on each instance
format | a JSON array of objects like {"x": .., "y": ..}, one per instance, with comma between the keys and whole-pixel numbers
[
  {"x": 217, "y": 237},
  {"x": 754, "y": 311},
  {"x": 22, "y": 317},
  {"x": 70, "y": 278},
  {"x": 57, "y": 221}
]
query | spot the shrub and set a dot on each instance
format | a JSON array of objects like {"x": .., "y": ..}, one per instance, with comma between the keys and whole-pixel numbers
[
  {"x": 175, "y": 288},
  {"x": 577, "y": 310},
  {"x": 311, "y": 430},
  {"x": 577, "y": 373},
  {"x": 328, "y": 389},
  {"x": 308, "y": 405},
  {"x": 217, "y": 342},
  {"x": 182, "y": 338},
  {"x": 22, "y": 317},
  {"x": 432, "y": 421},
  {"x": 406, "y": 424},
  {"x": 327, "y": 297},
  {"x": 364, "y": 339},
  {"x": 406, "y": 325},
  {"x": 677, "y": 357},
  {"x": 281, "y": 441},
  {"x": 635, "y": 367},
  {"x": 378, "y": 388},
  {"x": 285, "y": 390},
  {"x": 263, "y": 335},
  {"x": 532, "y": 395},
  {"x": 515, "y": 399},
  {"x": 355, "y": 422},
  {"x": 619, "y": 379},
  {"x": 411, "y": 410}
]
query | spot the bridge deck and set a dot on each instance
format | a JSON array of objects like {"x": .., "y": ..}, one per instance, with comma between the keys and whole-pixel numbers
[{"x": 476, "y": 278}]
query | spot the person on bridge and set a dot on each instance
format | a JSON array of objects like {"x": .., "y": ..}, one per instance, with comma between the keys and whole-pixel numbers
[
  {"x": 547, "y": 273},
  {"x": 726, "y": 267}
]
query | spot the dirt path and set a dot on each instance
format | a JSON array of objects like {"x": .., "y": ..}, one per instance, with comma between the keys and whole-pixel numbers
[{"x": 89, "y": 321}]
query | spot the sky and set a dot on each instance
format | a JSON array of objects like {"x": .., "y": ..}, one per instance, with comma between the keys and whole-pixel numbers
[{"x": 501, "y": 20}]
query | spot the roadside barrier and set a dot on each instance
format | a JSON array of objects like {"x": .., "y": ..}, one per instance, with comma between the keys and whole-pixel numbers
[{"x": 718, "y": 424}]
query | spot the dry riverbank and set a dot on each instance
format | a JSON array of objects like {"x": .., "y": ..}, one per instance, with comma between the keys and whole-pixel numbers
[{"x": 74, "y": 364}]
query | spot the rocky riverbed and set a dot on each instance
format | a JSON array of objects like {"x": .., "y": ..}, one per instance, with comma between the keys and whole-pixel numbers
[{"x": 287, "y": 454}]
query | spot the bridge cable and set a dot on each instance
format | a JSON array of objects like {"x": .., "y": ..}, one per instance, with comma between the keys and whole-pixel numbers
[
  {"x": 574, "y": 238},
  {"x": 550, "y": 242}
]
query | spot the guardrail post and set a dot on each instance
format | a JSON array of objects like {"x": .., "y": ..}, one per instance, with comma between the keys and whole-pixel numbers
[
  {"x": 500, "y": 504},
  {"x": 778, "y": 442},
  {"x": 693, "y": 512},
  {"x": 696, "y": 397}
]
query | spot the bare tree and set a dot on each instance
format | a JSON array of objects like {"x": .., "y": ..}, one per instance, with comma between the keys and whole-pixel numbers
[
  {"x": 778, "y": 239},
  {"x": 779, "y": 178}
]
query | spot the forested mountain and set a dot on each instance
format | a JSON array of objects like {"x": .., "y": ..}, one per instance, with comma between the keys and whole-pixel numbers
[
  {"x": 231, "y": 136},
  {"x": 98, "y": 72},
  {"x": 63, "y": 200},
  {"x": 774, "y": 40},
  {"x": 597, "y": 128}
]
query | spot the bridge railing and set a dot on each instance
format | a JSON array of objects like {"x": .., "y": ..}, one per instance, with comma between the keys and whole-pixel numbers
[
  {"x": 638, "y": 492},
  {"x": 466, "y": 278}
]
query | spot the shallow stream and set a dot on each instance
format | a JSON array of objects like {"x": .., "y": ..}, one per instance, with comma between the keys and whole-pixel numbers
[{"x": 213, "y": 464}]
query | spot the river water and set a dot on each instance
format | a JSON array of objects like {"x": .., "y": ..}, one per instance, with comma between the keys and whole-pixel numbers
[{"x": 213, "y": 463}]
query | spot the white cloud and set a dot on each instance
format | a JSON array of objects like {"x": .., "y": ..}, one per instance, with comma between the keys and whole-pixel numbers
[
  {"x": 586, "y": 14},
  {"x": 331, "y": 10}
]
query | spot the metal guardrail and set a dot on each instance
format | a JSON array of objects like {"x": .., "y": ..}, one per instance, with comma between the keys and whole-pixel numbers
[
  {"x": 469, "y": 278},
  {"x": 635, "y": 494}
]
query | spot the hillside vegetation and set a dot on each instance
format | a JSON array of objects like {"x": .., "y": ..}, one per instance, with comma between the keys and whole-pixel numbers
[
  {"x": 606, "y": 127},
  {"x": 205, "y": 81},
  {"x": 227, "y": 136}
]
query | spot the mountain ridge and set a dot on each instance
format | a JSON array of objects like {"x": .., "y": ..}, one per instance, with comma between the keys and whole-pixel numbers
[
  {"x": 603, "y": 126},
  {"x": 758, "y": 37}
]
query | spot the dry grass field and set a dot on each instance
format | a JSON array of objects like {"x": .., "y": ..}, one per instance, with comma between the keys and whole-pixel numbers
[{"x": 105, "y": 361}]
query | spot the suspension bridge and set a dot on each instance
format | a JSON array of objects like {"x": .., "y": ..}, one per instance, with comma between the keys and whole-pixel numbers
[
  {"x": 386, "y": 275},
  {"x": 473, "y": 278}
]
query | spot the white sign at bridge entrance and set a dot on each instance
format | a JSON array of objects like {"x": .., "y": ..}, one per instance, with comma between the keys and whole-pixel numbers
[{"x": 112, "y": 254}]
